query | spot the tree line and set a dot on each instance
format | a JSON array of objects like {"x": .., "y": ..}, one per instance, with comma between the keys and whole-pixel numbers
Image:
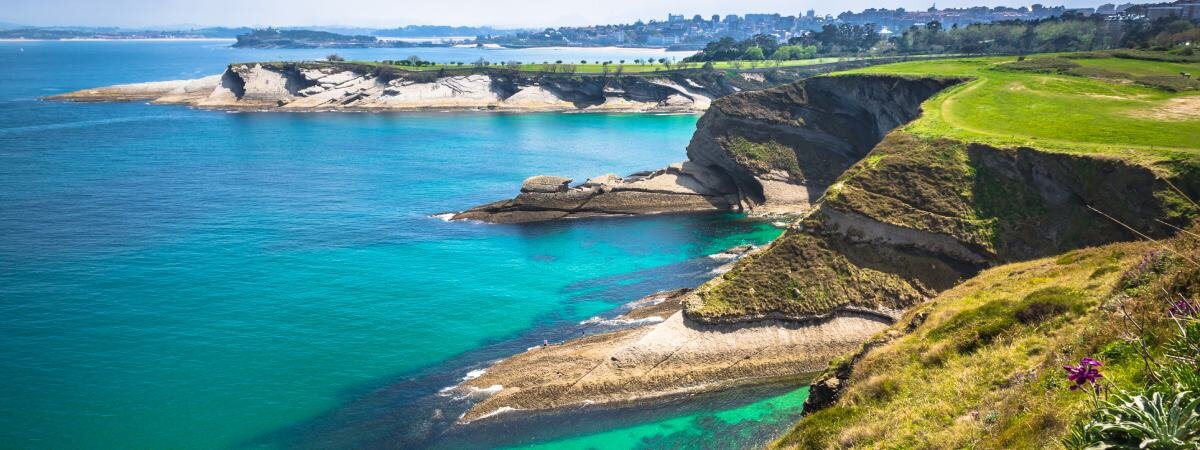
[{"x": 1067, "y": 33}]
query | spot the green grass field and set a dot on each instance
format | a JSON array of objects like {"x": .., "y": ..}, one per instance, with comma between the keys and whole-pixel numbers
[{"x": 1102, "y": 105}]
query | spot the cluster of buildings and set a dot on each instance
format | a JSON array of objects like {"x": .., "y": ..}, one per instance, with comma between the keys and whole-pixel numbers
[
  {"x": 680, "y": 31},
  {"x": 1181, "y": 10},
  {"x": 677, "y": 30}
]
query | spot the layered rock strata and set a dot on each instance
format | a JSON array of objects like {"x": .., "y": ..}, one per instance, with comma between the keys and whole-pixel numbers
[
  {"x": 671, "y": 357},
  {"x": 320, "y": 87},
  {"x": 768, "y": 152},
  {"x": 681, "y": 187}
]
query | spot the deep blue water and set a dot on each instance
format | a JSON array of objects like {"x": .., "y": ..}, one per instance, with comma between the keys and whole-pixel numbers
[{"x": 179, "y": 278}]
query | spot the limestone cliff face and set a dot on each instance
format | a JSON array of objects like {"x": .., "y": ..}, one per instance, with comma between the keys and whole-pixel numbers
[
  {"x": 785, "y": 145},
  {"x": 348, "y": 86}
]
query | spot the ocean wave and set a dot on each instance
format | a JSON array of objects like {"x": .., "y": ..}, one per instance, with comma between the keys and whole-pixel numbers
[
  {"x": 470, "y": 392},
  {"x": 622, "y": 322},
  {"x": 720, "y": 270},
  {"x": 474, "y": 374},
  {"x": 500, "y": 410},
  {"x": 733, "y": 254},
  {"x": 648, "y": 301},
  {"x": 445, "y": 217},
  {"x": 485, "y": 392}
]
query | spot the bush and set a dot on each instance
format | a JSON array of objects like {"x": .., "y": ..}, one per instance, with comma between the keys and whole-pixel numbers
[
  {"x": 975, "y": 328},
  {"x": 1176, "y": 83},
  {"x": 1043, "y": 65},
  {"x": 1044, "y": 304},
  {"x": 1146, "y": 421},
  {"x": 334, "y": 57}
]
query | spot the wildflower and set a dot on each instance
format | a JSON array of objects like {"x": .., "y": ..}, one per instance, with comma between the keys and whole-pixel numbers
[
  {"x": 1183, "y": 308},
  {"x": 1086, "y": 372}
]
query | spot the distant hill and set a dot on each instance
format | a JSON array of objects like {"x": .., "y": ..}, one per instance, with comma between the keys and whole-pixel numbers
[
  {"x": 13, "y": 31},
  {"x": 275, "y": 38},
  {"x": 441, "y": 31}
]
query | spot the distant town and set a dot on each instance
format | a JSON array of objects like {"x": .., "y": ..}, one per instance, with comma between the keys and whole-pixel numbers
[
  {"x": 679, "y": 31},
  {"x": 675, "y": 32}
]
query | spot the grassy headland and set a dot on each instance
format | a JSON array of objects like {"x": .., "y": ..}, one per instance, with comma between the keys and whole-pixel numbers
[
  {"x": 1083, "y": 103},
  {"x": 981, "y": 365},
  {"x": 1010, "y": 166}
]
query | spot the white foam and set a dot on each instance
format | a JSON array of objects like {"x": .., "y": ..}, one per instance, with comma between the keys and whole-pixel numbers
[
  {"x": 622, "y": 322},
  {"x": 487, "y": 391},
  {"x": 446, "y": 217},
  {"x": 500, "y": 410},
  {"x": 648, "y": 301},
  {"x": 474, "y": 374}
]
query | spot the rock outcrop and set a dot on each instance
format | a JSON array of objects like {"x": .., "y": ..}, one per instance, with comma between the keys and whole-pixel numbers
[
  {"x": 345, "y": 86},
  {"x": 357, "y": 87},
  {"x": 785, "y": 145},
  {"x": 767, "y": 152},
  {"x": 681, "y": 187},
  {"x": 671, "y": 356}
]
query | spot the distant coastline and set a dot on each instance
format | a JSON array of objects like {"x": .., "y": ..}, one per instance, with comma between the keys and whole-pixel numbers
[{"x": 118, "y": 39}]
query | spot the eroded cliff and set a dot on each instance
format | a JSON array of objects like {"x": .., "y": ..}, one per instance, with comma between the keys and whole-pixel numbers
[
  {"x": 918, "y": 215},
  {"x": 767, "y": 152}
]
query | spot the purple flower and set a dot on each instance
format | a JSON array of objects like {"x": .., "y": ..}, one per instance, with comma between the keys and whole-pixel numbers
[
  {"x": 1183, "y": 308},
  {"x": 1085, "y": 373}
]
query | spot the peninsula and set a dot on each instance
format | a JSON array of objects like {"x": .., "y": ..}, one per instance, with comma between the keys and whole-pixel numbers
[
  {"x": 401, "y": 86},
  {"x": 933, "y": 188}
]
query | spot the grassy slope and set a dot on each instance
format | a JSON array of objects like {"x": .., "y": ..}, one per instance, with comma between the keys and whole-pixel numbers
[
  {"x": 981, "y": 368},
  {"x": 925, "y": 177},
  {"x": 1057, "y": 112},
  {"x": 974, "y": 368}
]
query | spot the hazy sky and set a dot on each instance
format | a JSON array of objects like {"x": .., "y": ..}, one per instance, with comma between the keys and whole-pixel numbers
[{"x": 385, "y": 13}]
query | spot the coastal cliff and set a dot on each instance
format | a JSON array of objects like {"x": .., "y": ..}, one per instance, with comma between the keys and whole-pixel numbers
[
  {"x": 897, "y": 217},
  {"x": 376, "y": 86},
  {"x": 354, "y": 87},
  {"x": 767, "y": 152},
  {"x": 319, "y": 86}
]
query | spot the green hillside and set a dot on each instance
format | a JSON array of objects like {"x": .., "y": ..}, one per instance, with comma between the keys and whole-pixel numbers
[{"x": 1084, "y": 103}]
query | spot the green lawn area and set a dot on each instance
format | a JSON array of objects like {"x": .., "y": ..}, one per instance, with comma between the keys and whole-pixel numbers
[{"x": 1107, "y": 111}]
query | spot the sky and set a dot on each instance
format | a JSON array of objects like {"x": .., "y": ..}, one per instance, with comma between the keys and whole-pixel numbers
[{"x": 391, "y": 13}]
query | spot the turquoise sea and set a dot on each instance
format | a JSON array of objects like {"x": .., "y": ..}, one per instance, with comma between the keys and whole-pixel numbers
[{"x": 178, "y": 278}]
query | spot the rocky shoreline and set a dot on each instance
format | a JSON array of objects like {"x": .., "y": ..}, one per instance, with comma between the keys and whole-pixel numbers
[
  {"x": 308, "y": 87},
  {"x": 661, "y": 354},
  {"x": 680, "y": 187}
]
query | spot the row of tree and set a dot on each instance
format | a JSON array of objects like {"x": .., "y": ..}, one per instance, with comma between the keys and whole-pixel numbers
[
  {"x": 1067, "y": 34},
  {"x": 757, "y": 48},
  {"x": 1056, "y": 34}
]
